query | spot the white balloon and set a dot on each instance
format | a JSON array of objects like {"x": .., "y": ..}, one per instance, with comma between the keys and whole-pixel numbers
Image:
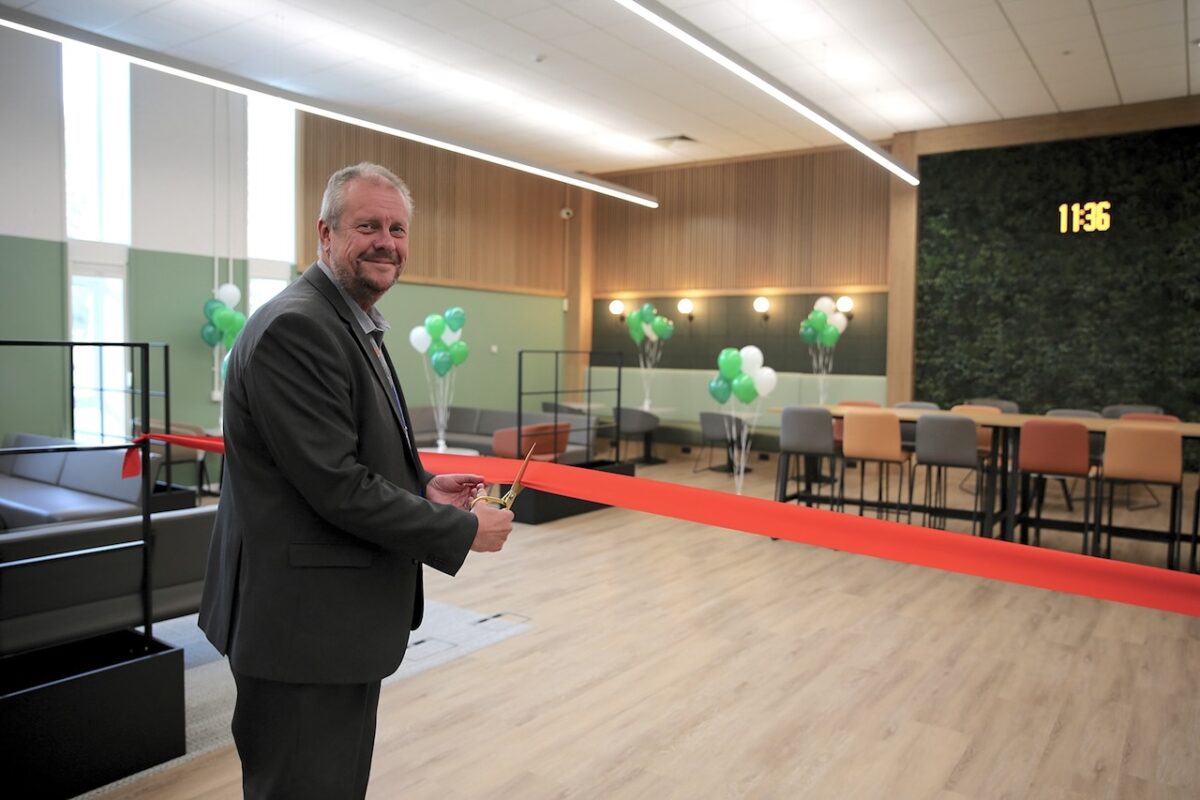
[
  {"x": 649, "y": 331},
  {"x": 420, "y": 339},
  {"x": 765, "y": 380},
  {"x": 825, "y": 304},
  {"x": 450, "y": 337},
  {"x": 839, "y": 321},
  {"x": 229, "y": 294},
  {"x": 752, "y": 359}
]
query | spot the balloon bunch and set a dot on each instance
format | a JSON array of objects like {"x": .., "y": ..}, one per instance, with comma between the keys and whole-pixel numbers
[
  {"x": 440, "y": 337},
  {"x": 741, "y": 374},
  {"x": 222, "y": 322},
  {"x": 649, "y": 330},
  {"x": 821, "y": 332}
]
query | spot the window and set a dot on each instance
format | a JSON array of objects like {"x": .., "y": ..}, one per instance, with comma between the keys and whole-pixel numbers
[
  {"x": 101, "y": 374},
  {"x": 97, "y": 165},
  {"x": 96, "y": 138},
  {"x": 267, "y": 279}
]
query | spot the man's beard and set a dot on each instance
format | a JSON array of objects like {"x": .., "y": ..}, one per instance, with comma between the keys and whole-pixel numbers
[{"x": 354, "y": 280}]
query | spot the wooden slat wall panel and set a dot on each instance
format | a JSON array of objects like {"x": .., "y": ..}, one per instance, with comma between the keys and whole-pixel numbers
[
  {"x": 810, "y": 220},
  {"x": 476, "y": 224}
]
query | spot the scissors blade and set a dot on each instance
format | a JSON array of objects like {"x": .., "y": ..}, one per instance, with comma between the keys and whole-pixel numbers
[{"x": 516, "y": 486}]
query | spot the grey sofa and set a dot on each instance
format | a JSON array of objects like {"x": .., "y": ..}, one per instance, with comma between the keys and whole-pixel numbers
[
  {"x": 473, "y": 428},
  {"x": 47, "y": 598},
  {"x": 44, "y": 488}
]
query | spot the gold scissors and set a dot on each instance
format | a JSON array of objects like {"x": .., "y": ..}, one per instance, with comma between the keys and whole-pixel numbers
[{"x": 513, "y": 491}]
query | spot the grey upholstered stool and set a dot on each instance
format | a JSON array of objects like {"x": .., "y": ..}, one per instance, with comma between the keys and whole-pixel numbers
[
  {"x": 945, "y": 440},
  {"x": 908, "y": 430},
  {"x": 807, "y": 432}
]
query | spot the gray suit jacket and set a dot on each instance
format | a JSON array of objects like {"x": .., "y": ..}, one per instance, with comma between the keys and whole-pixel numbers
[{"x": 314, "y": 575}]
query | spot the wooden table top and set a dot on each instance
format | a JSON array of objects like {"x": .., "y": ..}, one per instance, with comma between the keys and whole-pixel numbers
[{"x": 997, "y": 419}]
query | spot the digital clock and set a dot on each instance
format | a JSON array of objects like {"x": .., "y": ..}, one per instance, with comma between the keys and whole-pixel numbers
[{"x": 1085, "y": 217}]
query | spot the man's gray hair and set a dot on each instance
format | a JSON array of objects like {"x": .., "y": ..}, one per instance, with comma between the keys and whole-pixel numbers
[{"x": 334, "y": 199}]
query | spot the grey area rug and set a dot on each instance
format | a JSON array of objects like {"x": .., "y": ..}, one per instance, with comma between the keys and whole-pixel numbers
[{"x": 446, "y": 633}]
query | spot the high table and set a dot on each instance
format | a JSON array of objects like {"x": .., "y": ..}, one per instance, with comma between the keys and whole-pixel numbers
[{"x": 1006, "y": 451}]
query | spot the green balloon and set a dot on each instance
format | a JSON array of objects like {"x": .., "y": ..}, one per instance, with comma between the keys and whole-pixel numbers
[
  {"x": 830, "y": 336},
  {"x": 817, "y": 319},
  {"x": 808, "y": 333},
  {"x": 720, "y": 389},
  {"x": 239, "y": 322},
  {"x": 649, "y": 312},
  {"x": 663, "y": 327},
  {"x": 729, "y": 362},
  {"x": 436, "y": 325},
  {"x": 210, "y": 334},
  {"x": 210, "y": 306},
  {"x": 224, "y": 318},
  {"x": 229, "y": 337},
  {"x": 459, "y": 352},
  {"x": 441, "y": 362},
  {"x": 225, "y": 364},
  {"x": 455, "y": 318},
  {"x": 743, "y": 388},
  {"x": 634, "y": 320},
  {"x": 637, "y": 332},
  {"x": 436, "y": 346}
]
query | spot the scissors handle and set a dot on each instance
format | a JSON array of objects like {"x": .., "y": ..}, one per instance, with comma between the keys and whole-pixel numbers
[{"x": 502, "y": 502}]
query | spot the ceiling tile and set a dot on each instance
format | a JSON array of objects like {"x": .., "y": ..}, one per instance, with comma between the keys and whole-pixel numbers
[
  {"x": 549, "y": 23},
  {"x": 1027, "y": 12}
]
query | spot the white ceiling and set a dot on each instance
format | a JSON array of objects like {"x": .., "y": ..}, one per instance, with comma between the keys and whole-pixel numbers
[{"x": 586, "y": 85}]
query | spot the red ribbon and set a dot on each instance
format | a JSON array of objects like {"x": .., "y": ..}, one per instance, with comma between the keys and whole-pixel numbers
[
  {"x": 1071, "y": 573},
  {"x": 131, "y": 465},
  {"x": 1044, "y": 568}
]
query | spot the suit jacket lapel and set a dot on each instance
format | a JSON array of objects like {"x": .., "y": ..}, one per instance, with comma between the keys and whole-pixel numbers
[{"x": 366, "y": 345}]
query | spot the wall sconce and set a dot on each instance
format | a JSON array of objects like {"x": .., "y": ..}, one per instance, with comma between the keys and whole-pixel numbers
[
  {"x": 762, "y": 305},
  {"x": 617, "y": 309},
  {"x": 686, "y": 306},
  {"x": 845, "y": 304}
]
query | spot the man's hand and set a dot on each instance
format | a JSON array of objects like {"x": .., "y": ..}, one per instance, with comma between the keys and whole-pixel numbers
[
  {"x": 494, "y": 526},
  {"x": 454, "y": 490}
]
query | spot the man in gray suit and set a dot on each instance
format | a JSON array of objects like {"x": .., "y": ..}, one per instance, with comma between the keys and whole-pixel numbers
[{"x": 326, "y": 514}]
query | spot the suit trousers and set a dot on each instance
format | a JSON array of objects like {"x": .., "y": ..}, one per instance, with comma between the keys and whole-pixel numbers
[{"x": 299, "y": 740}]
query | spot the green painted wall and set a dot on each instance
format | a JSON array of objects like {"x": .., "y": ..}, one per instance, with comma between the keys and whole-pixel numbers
[
  {"x": 167, "y": 292},
  {"x": 33, "y": 381},
  {"x": 510, "y": 322}
]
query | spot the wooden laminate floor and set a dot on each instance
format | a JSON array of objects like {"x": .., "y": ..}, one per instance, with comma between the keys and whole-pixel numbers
[{"x": 672, "y": 660}]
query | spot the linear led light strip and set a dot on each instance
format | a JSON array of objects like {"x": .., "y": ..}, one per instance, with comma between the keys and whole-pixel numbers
[
  {"x": 671, "y": 23},
  {"x": 573, "y": 179}
]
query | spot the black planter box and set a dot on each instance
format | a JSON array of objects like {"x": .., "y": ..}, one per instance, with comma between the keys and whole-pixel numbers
[
  {"x": 86, "y": 713},
  {"x": 533, "y": 507},
  {"x": 171, "y": 497}
]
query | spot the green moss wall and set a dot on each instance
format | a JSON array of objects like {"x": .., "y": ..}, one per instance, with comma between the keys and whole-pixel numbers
[{"x": 1007, "y": 306}]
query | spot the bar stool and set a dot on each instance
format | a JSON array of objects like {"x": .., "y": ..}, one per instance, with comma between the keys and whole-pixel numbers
[
  {"x": 1003, "y": 406},
  {"x": 806, "y": 432},
  {"x": 839, "y": 428},
  {"x": 1121, "y": 409},
  {"x": 636, "y": 422},
  {"x": 908, "y": 430},
  {"x": 944, "y": 441},
  {"x": 1154, "y": 414},
  {"x": 874, "y": 435},
  {"x": 1095, "y": 442},
  {"x": 1054, "y": 448},
  {"x": 1144, "y": 452}
]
